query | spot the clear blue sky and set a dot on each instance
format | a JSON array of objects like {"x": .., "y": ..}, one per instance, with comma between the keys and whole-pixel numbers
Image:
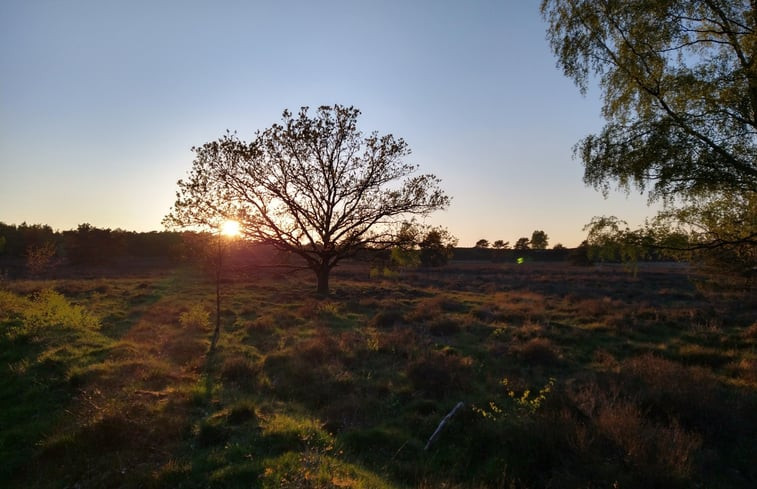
[{"x": 101, "y": 101}]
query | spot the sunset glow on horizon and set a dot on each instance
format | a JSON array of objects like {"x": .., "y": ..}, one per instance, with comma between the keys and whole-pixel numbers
[
  {"x": 230, "y": 228},
  {"x": 103, "y": 101}
]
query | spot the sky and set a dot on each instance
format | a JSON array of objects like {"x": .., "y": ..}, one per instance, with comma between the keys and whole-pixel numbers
[{"x": 101, "y": 102}]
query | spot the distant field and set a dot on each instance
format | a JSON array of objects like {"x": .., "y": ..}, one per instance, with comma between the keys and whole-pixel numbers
[{"x": 575, "y": 377}]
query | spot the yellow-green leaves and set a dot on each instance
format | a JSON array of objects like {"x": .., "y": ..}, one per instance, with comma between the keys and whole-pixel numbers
[
  {"x": 49, "y": 308},
  {"x": 516, "y": 404}
]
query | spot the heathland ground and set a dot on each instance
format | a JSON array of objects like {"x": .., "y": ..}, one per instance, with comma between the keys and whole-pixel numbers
[{"x": 575, "y": 377}]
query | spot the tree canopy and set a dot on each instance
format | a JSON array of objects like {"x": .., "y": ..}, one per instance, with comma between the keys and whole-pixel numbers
[
  {"x": 501, "y": 244},
  {"x": 436, "y": 247},
  {"x": 482, "y": 243},
  {"x": 539, "y": 240},
  {"x": 679, "y": 83},
  {"x": 522, "y": 244},
  {"x": 314, "y": 186},
  {"x": 679, "y": 86},
  {"x": 718, "y": 233}
]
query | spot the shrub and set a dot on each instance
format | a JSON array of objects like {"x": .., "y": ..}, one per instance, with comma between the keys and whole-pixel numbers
[
  {"x": 657, "y": 453},
  {"x": 433, "y": 307},
  {"x": 108, "y": 434},
  {"x": 195, "y": 317},
  {"x": 751, "y": 331},
  {"x": 690, "y": 394},
  {"x": 540, "y": 351},
  {"x": 49, "y": 309},
  {"x": 487, "y": 313},
  {"x": 241, "y": 412},
  {"x": 438, "y": 374},
  {"x": 319, "y": 349},
  {"x": 387, "y": 319},
  {"x": 211, "y": 433},
  {"x": 186, "y": 351},
  {"x": 403, "y": 342},
  {"x": 11, "y": 305},
  {"x": 239, "y": 369},
  {"x": 521, "y": 404},
  {"x": 444, "y": 327},
  {"x": 745, "y": 369}
]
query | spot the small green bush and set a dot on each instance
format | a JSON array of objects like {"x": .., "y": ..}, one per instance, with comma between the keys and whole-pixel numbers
[
  {"x": 196, "y": 317},
  {"x": 523, "y": 404},
  {"x": 11, "y": 305},
  {"x": 50, "y": 309}
]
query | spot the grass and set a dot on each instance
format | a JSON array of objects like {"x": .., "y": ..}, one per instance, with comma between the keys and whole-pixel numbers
[{"x": 570, "y": 377}]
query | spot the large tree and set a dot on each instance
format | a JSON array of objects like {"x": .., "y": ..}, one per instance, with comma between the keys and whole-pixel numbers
[
  {"x": 679, "y": 82},
  {"x": 314, "y": 186},
  {"x": 679, "y": 86}
]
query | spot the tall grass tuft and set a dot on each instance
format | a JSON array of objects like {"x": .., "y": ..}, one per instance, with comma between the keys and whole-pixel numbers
[{"x": 195, "y": 317}]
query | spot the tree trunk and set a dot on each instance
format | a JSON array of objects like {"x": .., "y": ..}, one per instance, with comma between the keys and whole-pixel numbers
[
  {"x": 322, "y": 273},
  {"x": 217, "y": 331}
]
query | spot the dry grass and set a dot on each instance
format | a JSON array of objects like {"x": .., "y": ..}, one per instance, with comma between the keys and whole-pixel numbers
[
  {"x": 539, "y": 351},
  {"x": 751, "y": 331},
  {"x": 651, "y": 383}
]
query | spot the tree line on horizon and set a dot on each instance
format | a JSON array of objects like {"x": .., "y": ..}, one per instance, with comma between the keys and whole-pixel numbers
[
  {"x": 42, "y": 247},
  {"x": 38, "y": 248},
  {"x": 539, "y": 241}
]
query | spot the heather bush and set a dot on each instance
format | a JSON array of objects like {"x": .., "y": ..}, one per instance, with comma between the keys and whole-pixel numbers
[
  {"x": 439, "y": 374},
  {"x": 240, "y": 369},
  {"x": 539, "y": 351}
]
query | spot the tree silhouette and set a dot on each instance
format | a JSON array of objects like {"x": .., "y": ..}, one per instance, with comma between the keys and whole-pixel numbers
[
  {"x": 522, "y": 244},
  {"x": 482, "y": 243},
  {"x": 501, "y": 244},
  {"x": 539, "y": 240},
  {"x": 312, "y": 186},
  {"x": 436, "y": 247}
]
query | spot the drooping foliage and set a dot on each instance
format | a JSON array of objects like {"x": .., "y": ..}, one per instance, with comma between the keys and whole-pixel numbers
[
  {"x": 679, "y": 83},
  {"x": 679, "y": 87}
]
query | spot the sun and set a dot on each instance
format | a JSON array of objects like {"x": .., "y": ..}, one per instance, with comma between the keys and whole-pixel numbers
[{"x": 230, "y": 228}]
